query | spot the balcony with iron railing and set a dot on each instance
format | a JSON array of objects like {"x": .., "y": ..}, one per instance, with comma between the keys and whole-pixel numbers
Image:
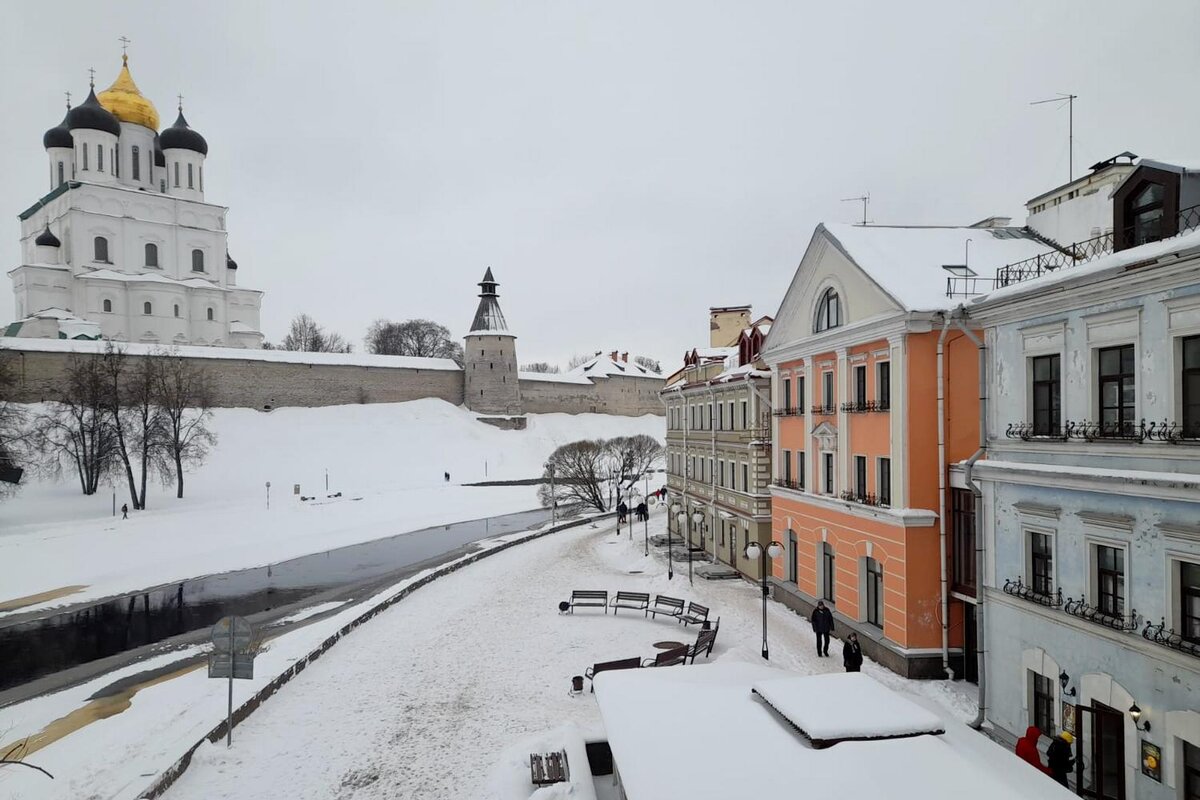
[
  {"x": 1167, "y": 637},
  {"x": 1079, "y": 608},
  {"x": 1087, "y": 431},
  {"x": 788, "y": 483},
  {"x": 865, "y": 499},
  {"x": 865, "y": 407},
  {"x": 824, "y": 411},
  {"x": 1070, "y": 255},
  {"x": 789, "y": 412}
]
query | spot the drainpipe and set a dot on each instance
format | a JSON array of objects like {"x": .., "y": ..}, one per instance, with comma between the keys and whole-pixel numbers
[
  {"x": 712, "y": 476},
  {"x": 941, "y": 446},
  {"x": 959, "y": 314}
]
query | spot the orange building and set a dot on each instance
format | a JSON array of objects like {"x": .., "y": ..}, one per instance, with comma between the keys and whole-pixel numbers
[{"x": 866, "y": 357}]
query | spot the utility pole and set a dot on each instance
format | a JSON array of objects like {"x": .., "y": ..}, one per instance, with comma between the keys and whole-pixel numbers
[
  {"x": 865, "y": 199},
  {"x": 1070, "y": 101}
]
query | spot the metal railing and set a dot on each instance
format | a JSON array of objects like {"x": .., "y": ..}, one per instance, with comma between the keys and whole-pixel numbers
[
  {"x": 1027, "y": 431},
  {"x": 1084, "y": 610},
  {"x": 1087, "y": 431},
  {"x": 787, "y": 483},
  {"x": 1018, "y": 588},
  {"x": 867, "y": 499},
  {"x": 789, "y": 412},
  {"x": 865, "y": 407},
  {"x": 825, "y": 411},
  {"x": 1167, "y": 637}
]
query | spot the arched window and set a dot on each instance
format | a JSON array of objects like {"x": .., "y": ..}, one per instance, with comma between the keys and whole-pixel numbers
[
  {"x": 202, "y": 179},
  {"x": 162, "y": 185},
  {"x": 190, "y": 184},
  {"x": 61, "y": 179},
  {"x": 147, "y": 309},
  {"x": 829, "y": 311},
  {"x": 176, "y": 174},
  {"x": 197, "y": 261},
  {"x": 135, "y": 159},
  {"x": 151, "y": 254},
  {"x": 108, "y": 306},
  {"x": 210, "y": 314},
  {"x": 83, "y": 149},
  {"x": 100, "y": 158},
  {"x": 101, "y": 247},
  {"x": 177, "y": 309}
]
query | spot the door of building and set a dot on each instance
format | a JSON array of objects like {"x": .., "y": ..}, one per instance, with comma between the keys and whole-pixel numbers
[
  {"x": 970, "y": 668},
  {"x": 1100, "y": 752}
]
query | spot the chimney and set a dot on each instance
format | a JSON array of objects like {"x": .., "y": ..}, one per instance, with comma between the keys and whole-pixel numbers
[
  {"x": 613, "y": 355},
  {"x": 625, "y": 357}
]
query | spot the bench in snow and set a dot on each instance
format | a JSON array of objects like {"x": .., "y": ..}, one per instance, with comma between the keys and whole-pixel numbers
[
  {"x": 625, "y": 663},
  {"x": 638, "y": 601},
  {"x": 588, "y": 597},
  {"x": 695, "y": 615},
  {"x": 549, "y": 768},
  {"x": 668, "y": 658},
  {"x": 671, "y": 606},
  {"x": 704, "y": 644}
]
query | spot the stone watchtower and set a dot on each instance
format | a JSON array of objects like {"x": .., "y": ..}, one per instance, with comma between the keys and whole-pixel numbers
[{"x": 490, "y": 383}]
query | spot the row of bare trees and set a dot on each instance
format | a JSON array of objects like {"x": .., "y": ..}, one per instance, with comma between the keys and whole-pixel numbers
[
  {"x": 118, "y": 415},
  {"x": 594, "y": 472}
]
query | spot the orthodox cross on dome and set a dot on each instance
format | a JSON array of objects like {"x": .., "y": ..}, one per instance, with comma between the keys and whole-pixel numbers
[
  {"x": 180, "y": 102},
  {"x": 91, "y": 77},
  {"x": 68, "y": 94},
  {"x": 124, "y": 47}
]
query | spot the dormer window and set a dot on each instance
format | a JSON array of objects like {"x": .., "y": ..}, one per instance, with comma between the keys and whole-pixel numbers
[
  {"x": 829, "y": 311},
  {"x": 1145, "y": 215}
]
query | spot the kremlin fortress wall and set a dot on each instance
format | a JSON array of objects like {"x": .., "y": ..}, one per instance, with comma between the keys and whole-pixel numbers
[{"x": 266, "y": 379}]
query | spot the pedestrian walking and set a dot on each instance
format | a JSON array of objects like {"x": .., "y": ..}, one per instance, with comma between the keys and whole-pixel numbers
[
  {"x": 643, "y": 512},
  {"x": 822, "y": 623},
  {"x": 125, "y": 511},
  {"x": 447, "y": 477},
  {"x": 1059, "y": 759},
  {"x": 852, "y": 654},
  {"x": 1027, "y": 748},
  {"x": 622, "y": 510}
]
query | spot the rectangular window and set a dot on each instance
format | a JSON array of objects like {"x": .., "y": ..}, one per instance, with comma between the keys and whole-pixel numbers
[
  {"x": 100, "y": 158},
  {"x": 710, "y": 417},
  {"x": 1043, "y": 703},
  {"x": 1047, "y": 395},
  {"x": 800, "y": 394},
  {"x": 1191, "y": 387},
  {"x": 962, "y": 544},
  {"x": 874, "y": 592},
  {"x": 787, "y": 467},
  {"x": 860, "y": 476},
  {"x": 860, "y": 386},
  {"x": 1110, "y": 580},
  {"x": 136, "y": 163},
  {"x": 201, "y": 178},
  {"x": 1041, "y": 563},
  {"x": 176, "y": 174},
  {"x": 720, "y": 416},
  {"x": 787, "y": 395},
  {"x": 826, "y": 390},
  {"x": 792, "y": 556},
  {"x": 1189, "y": 601},
  {"x": 745, "y": 416},
  {"x": 745, "y": 478},
  {"x": 1118, "y": 391},
  {"x": 116, "y": 162},
  {"x": 885, "y": 481},
  {"x": 190, "y": 185},
  {"x": 800, "y": 469},
  {"x": 884, "y": 380},
  {"x": 827, "y": 487},
  {"x": 827, "y": 572}
]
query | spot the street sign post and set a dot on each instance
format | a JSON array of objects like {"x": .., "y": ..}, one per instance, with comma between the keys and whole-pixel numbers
[{"x": 232, "y": 657}]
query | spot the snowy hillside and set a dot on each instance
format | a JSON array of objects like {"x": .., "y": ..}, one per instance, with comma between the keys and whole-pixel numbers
[{"x": 392, "y": 456}]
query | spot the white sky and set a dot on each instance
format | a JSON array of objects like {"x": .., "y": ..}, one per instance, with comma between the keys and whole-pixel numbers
[{"x": 620, "y": 165}]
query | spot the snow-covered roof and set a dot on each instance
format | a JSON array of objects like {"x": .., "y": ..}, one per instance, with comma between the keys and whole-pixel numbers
[
  {"x": 1118, "y": 260},
  {"x": 51, "y": 313},
  {"x": 661, "y": 722},
  {"x": 738, "y": 373},
  {"x": 1171, "y": 165},
  {"x": 237, "y": 326},
  {"x": 603, "y": 365},
  {"x": 907, "y": 261},
  {"x": 247, "y": 354},
  {"x": 846, "y": 705},
  {"x": 555, "y": 377},
  {"x": 716, "y": 352},
  {"x": 147, "y": 277}
]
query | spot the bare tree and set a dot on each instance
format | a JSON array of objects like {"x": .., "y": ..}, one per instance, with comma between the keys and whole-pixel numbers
[
  {"x": 183, "y": 394},
  {"x": 147, "y": 420},
  {"x": 541, "y": 366},
  {"x": 422, "y": 338},
  {"x": 113, "y": 367},
  {"x": 649, "y": 363},
  {"x": 77, "y": 426},
  {"x": 15, "y": 757},
  {"x": 579, "y": 360},
  {"x": 580, "y": 474},
  {"x": 631, "y": 457},
  {"x": 13, "y": 431},
  {"x": 307, "y": 336}
]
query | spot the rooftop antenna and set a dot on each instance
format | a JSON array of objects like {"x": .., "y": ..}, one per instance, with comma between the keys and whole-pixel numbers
[
  {"x": 865, "y": 199},
  {"x": 1069, "y": 99}
]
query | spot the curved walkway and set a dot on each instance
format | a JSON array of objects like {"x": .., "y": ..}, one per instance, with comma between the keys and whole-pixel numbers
[{"x": 420, "y": 702}]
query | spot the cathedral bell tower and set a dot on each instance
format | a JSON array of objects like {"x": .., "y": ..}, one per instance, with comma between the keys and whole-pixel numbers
[{"x": 490, "y": 384}]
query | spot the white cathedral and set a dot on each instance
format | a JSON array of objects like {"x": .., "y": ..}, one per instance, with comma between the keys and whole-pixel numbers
[{"x": 124, "y": 245}]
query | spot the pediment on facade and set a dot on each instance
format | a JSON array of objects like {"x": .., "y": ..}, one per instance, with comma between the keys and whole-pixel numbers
[{"x": 826, "y": 433}]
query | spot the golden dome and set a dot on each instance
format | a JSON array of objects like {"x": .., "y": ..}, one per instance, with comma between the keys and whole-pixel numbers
[{"x": 125, "y": 101}]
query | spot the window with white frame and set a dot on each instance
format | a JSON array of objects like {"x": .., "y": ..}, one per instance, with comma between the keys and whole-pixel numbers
[
  {"x": 800, "y": 469},
  {"x": 1108, "y": 579},
  {"x": 883, "y": 384},
  {"x": 1190, "y": 388},
  {"x": 874, "y": 592},
  {"x": 827, "y": 484},
  {"x": 787, "y": 467},
  {"x": 826, "y": 391},
  {"x": 860, "y": 477},
  {"x": 1188, "y": 601},
  {"x": 828, "y": 572},
  {"x": 1040, "y": 562},
  {"x": 1117, "y": 390},
  {"x": 1042, "y": 689},
  {"x": 884, "y": 478}
]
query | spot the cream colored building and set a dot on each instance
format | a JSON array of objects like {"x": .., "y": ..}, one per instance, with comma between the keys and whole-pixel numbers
[{"x": 719, "y": 441}]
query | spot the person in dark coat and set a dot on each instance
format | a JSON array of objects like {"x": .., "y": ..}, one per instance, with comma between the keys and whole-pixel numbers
[
  {"x": 643, "y": 512},
  {"x": 852, "y": 654},
  {"x": 622, "y": 510},
  {"x": 822, "y": 623},
  {"x": 1027, "y": 748},
  {"x": 125, "y": 511},
  {"x": 1059, "y": 759}
]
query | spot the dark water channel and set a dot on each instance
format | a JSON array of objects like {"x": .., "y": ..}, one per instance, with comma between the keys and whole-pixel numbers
[{"x": 35, "y": 647}]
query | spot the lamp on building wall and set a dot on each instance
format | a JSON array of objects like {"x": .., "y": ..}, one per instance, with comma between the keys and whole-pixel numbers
[
  {"x": 755, "y": 551},
  {"x": 1136, "y": 714},
  {"x": 1064, "y": 679}
]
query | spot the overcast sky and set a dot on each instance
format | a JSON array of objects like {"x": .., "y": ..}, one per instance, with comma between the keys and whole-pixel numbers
[{"x": 621, "y": 166}]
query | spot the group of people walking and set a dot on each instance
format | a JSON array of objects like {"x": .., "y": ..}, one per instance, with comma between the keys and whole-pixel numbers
[
  {"x": 822, "y": 623},
  {"x": 641, "y": 512},
  {"x": 1059, "y": 759}
]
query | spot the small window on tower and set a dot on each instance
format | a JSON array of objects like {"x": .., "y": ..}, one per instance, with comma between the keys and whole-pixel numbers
[
  {"x": 197, "y": 261},
  {"x": 100, "y": 245},
  {"x": 100, "y": 158},
  {"x": 177, "y": 309},
  {"x": 108, "y": 306},
  {"x": 210, "y": 314},
  {"x": 147, "y": 309},
  {"x": 202, "y": 179},
  {"x": 84, "y": 150},
  {"x": 190, "y": 185},
  {"x": 136, "y": 162},
  {"x": 176, "y": 174},
  {"x": 162, "y": 185},
  {"x": 61, "y": 180},
  {"x": 151, "y": 255}
]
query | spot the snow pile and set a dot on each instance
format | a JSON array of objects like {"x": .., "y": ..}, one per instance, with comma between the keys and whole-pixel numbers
[{"x": 851, "y": 705}]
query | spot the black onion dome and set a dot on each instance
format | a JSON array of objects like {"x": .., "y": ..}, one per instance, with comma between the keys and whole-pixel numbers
[
  {"x": 47, "y": 239},
  {"x": 93, "y": 116},
  {"x": 229, "y": 262},
  {"x": 180, "y": 136},
  {"x": 59, "y": 135}
]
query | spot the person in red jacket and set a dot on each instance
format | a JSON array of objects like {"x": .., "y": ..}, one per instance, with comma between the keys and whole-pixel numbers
[{"x": 1027, "y": 748}]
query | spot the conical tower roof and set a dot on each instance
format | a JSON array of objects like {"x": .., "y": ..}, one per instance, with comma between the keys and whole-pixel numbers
[
  {"x": 125, "y": 101},
  {"x": 488, "y": 316}
]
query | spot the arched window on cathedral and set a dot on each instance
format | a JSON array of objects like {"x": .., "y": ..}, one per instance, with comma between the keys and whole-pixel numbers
[
  {"x": 151, "y": 254},
  {"x": 116, "y": 162},
  {"x": 100, "y": 158},
  {"x": 177, "y": 309},
  {"x": 100, "y": 244},
  {"x": 202, "y": 178},
  {"x": 83, "y": 149},
  {"x": 108, "y": 306},
  {"x": 190, "y": 184},
  {"x": 61, "y": 178},
  {"x": 135, "y": 159},
  {"x": 210, "y": 314},
  {"x": 829, "y": 312},
  {"x": 197, "y": 261},
  {"x": 147, "y": 309},
  {"x": 176, "y": 174}
]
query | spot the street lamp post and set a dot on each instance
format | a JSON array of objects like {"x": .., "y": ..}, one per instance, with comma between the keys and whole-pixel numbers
[
  {"x": 677, "y": 510},
  {"x": 754, "y": 551},
  {"x": 698, "y": 519},
  {"x": 646, "y": 519},
  {"x": 553, "y": 498}
]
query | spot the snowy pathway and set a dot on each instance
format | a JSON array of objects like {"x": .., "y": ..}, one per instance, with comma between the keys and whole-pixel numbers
[{"x": 420, "y": 702}]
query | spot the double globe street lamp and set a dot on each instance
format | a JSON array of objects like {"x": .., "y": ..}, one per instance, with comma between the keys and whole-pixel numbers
[{"x": 755, "y": 552}]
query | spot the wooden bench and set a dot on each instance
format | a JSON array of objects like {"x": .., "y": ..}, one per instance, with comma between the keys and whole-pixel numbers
[
  {"x": 638, "y": 601},
  {"x": 695, "y": 615},
  {"x": 588, "y": 597},
  {"x": 671, "y": 606},
  {"x": 668, "y": 658},
  {"x": 704, "y": 644},
  {"x": 547, "y": 768},
  {"x": 595, "y": 669}
]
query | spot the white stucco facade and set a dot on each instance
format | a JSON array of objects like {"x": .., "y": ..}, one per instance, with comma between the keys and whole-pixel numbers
[{"x": 1084, "y": 493}]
